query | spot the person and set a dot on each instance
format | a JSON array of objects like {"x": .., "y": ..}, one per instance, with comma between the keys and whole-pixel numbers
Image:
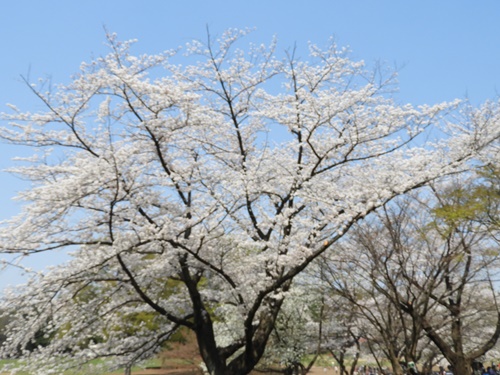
[
  {"x": 412, "y": 368},
  {"x": 478, "y": 368}
]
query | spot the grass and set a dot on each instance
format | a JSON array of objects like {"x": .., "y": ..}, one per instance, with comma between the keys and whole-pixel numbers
[{"x": 150, "y": 363}]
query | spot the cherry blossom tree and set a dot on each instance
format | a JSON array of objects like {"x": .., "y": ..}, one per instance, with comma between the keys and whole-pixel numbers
[
  {"x": 296, "y": 341},
  {"x": 431, "y": 263},
  {"x": 340, "y": 331},
  {"x": 381, "y": 324},
  {"x": 195, "y": 193}
]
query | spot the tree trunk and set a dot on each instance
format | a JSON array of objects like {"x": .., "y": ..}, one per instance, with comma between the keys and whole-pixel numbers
[
  {"x": 355, "y": 360},
  {"x": 461, "y": 366},
  {"x": 396, "y": 366}
]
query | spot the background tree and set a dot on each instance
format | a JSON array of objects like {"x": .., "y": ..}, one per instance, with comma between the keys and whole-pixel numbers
[
  {"x": 434, "y": 261},
  {"x": 228, "y": 176},
  {"x": 341, "y": 334},
  {"x": 308, "y": 327},
  {"x": 376, "y": 318},
  {"x": 466, "y": 217},
  {"x": 296, "y": 340}
]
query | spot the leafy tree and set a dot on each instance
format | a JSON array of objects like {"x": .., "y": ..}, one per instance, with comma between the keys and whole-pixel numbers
[
  {"x": 475, "y": 200},
  {"x": 229, "y": 175}
]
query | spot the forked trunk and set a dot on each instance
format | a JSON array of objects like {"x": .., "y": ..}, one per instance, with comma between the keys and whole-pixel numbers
[{"x": 461, "y": 366}]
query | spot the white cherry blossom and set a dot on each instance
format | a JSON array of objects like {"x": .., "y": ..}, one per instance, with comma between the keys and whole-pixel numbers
[{"x": 192, "y": 195}]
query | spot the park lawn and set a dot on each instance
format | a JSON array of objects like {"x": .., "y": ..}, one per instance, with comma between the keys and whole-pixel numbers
[{"x": 149, "y": 363}]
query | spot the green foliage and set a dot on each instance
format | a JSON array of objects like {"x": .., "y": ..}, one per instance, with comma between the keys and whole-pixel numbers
[
  {"x": 461, "y": 205},
  {"x": 41, "y": 338},
  {"x": 4, "y": 320},
  {"x": 473, "y": 202}
]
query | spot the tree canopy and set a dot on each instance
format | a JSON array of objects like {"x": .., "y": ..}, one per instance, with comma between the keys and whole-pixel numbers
[
  {"x": 195, "y": 193},
  {"x": 426, "y": 265}
]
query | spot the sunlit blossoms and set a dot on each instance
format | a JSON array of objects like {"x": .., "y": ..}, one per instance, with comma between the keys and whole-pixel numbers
[{"x": 191, "y": 195}]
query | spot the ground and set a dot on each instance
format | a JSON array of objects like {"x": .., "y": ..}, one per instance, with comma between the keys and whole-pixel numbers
[
  {"x": 314, "y": 371},
  {"x": 182, "y": 358}
]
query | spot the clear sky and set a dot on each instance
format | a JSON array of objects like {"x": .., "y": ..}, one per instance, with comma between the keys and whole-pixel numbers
[{"x": 445, "y": 48}]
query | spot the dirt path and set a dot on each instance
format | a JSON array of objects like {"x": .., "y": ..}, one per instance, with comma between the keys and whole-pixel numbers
[{"x": 323, "y": 371}]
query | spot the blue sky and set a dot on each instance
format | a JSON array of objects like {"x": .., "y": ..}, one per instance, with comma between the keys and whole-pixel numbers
[{"x": 445, "y": 48}]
